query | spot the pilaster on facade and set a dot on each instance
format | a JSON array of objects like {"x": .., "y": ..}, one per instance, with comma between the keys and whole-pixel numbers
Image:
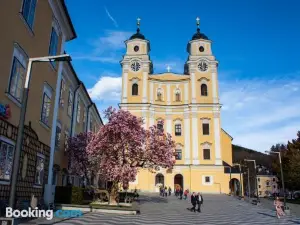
[
  {"x": 145, "y": 82},
  {"x": 195, "y": 137},
  {"x": 217, "y": 137},
  {"x": 125, "y": 82},
  {"x": 214, "y": 78},
  {"x": 151, "y": 92},
  {"x": 187, "y": 141},
  {"x": 186, "y": 93}
]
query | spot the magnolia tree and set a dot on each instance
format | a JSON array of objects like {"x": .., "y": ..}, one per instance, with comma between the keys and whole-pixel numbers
[
  {"x": 81, "y": 163},
  {"x": 123, "y": 145}
]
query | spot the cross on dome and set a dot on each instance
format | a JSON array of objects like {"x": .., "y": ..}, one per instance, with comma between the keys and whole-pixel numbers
[
  {"x": 138, "y": 20},
  {"x": 198, "y": 21},
  {"x": 168, "y": 68}
]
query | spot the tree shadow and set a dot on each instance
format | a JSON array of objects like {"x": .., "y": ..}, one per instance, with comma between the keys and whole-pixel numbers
[{"x": 154, "y": 199}]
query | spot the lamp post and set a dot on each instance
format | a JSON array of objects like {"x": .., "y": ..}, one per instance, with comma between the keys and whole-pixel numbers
[
  {"x": 18, "y": 149},
  {"x": 281, "y": 171},
  {"x": 253, "y": 160},
  {"x": 229, "y": 178},
  {"x": 241, "y": 184}
]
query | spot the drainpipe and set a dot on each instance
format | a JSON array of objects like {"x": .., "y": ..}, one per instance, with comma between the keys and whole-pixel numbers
[
  {"x": 73, "y": 109},
  {"x": 72, "y": 121},
  {"x": 88, "y": 116}
]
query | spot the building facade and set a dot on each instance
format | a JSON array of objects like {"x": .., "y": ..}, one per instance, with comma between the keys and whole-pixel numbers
[
  {"x": 267, "y": 185},
  {"x": 188, "y": 104},
  {"x": 34, "y": 29}
]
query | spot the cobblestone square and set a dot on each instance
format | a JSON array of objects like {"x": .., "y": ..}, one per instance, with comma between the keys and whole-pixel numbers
[{"x": 217, "y": 209}]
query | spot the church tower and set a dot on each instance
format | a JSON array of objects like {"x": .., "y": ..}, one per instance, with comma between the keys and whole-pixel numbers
[{"x": 136, "y": 66}]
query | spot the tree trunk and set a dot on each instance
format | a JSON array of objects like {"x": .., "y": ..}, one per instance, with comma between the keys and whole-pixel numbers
[{"x": 113, "y": 194}]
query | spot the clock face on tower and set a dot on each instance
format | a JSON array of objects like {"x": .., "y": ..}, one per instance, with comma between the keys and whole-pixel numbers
[
  {"x": 202, "y": 66},
  {"x": 135, "y": 66}
]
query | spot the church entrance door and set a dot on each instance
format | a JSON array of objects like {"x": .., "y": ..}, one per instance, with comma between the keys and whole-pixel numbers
[{"x": 178, "y": 181}]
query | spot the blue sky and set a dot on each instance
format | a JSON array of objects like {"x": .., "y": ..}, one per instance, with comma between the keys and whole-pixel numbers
[{"x": 256, "y": 44}]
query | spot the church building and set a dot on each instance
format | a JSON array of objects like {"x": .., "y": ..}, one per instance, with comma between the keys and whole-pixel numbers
[{"x": 189, "y": 106}]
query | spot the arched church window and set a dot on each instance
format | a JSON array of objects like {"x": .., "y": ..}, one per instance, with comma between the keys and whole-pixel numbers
[
  {"x": 204, "y": 90},
  {"x": 159, "y": 96},
  {"x": 177, "y": 97},
  {"x": 135, "y": 89}
]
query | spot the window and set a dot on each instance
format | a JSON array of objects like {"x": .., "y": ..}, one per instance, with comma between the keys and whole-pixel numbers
[
  {"x": 273, "y": 179},
  {"x": 70, "y": 103},
  {"x": 57, "y": 137},
  {"x": 274, "y": 186},
  {"x": 258, "y": 179},
  {"x": 39, "y": 169},
  {"x": 259, "y": 186},
  {"x": 160, "y": 126},
  {"x": 53, "y": 44},
  {"x": 46, "y": 104},
  {"x": 159, "y": 96},
  {"x": 54, "y": 178},
  {"x": 78, "y": 110},
  {"x": 6, "y": 160},
  {"x": 91, "y": 124},
  {"x": 178, "y": 155},
  {"x": 17, "y": 79},
  {"x": 28, "y": 11},
  {"x": 206, "y": 153},
  {"x": 177, "y": 129},
  {"x": 66, "y": 140},
  {"x": 135, "y": 89},
  {"x": 259, "y": 192},
  {"x": 205, "y": 128},
  {"x": 203, "y": 90},
  {"x": 84, "y": 120},
  {"x": 62, "y": 91},
  {"x": 207, "y": 179},
  {"x": 268, "y": 183},
  {"x": 177, "y": 97}
]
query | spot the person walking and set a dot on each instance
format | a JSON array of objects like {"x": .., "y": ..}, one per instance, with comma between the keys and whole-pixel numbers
[
  {"x": 170, "y": 191},
  {"x": 194, "y": 202},
  {"x": 199, "y": 201},
  {"x": 181, "y": 193},
  {"x": 186, "y": 192},
  {"x": 278, "y": 206}
]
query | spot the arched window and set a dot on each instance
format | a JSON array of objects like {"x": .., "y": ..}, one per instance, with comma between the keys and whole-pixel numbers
[
  {"x": 135, "y": 89},
  {"x": 177, "y": 97},
  {"x": 159, "y": 96},
  {"x": 203, "y": 90}
]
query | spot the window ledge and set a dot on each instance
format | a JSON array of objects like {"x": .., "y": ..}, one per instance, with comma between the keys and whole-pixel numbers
[
  {"x": 37, "y": 186},
  {"x": 13, "y": 99},
  {"x": 5, "y": 182},
  {"x": 26, "y": 25},
  {"x": 44, "y": 125}
]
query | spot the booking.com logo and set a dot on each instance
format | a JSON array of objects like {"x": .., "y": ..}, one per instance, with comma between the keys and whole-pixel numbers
[{"x": 36, "y": 213}]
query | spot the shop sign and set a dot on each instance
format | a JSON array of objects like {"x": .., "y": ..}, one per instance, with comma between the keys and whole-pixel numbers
[{"x": 5, "y": 111}]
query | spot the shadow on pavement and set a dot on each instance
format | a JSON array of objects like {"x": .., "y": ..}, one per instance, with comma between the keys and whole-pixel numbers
[
  {"x": 154, "y": 199},
  {"x": 266, "y": 214},
  {"x": 294, "y": 221}
]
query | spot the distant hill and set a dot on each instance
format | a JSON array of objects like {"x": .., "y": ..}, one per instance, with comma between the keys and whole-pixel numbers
[{"x": 240, "y": 153}]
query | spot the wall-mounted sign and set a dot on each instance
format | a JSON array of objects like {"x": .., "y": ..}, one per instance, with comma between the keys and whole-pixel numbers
[{"x": 5, "y": 111}]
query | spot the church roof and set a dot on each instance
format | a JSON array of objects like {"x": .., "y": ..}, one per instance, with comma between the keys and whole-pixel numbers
[
  {"x": 199, "y": 35},
  {"x": 137, "y": 35},
  {"x": 169, "y": 77}
]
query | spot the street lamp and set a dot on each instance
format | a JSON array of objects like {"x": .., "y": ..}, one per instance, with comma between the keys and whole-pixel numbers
[
  {"x": 281, "y": 171},
  {"x": 18, "y": 149},
  {"x": 241, "y": 184},
  {"x": 229, "y": 178},
  {"x": 253, "y": 160}
]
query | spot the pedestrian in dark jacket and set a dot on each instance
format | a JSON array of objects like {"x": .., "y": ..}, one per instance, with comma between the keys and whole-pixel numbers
[
  {"x": 194, "y": 202},
  {"x": 170, "y": 191},
  {"x": 199, "y": 201},
  {"x": 181, "y": 193}
]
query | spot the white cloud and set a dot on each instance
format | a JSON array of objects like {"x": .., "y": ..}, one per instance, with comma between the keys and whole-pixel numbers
[
  {"x": 107, "y": 88},
  {"x": 107, "y": 48},
  {"x": 111, "y": 18},
  {"x": 259, "y": 113}
]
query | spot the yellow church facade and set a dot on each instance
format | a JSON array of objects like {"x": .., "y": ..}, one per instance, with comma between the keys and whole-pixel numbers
[{"x": 188, "y": 104}]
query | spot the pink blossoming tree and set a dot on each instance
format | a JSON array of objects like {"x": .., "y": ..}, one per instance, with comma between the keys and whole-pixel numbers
[
  {"x": 81, "y": 163},
  {"x": 123, "y": 145}
]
